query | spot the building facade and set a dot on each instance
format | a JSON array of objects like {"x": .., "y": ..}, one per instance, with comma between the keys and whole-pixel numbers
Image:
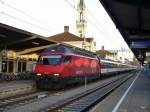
[
  {"x": 71, "y": 39},
  {"x": 13, "y": 63}
]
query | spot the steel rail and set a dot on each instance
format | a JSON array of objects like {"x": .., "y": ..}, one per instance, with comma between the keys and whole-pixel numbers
[
  {"x": 90, "y": 100},
  {"x": 21, "y": 99},
  {"x": 60, "y": 106}
]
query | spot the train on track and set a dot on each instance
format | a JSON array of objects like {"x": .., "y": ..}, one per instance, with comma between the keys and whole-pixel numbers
[{"x": 60, "y": 65}]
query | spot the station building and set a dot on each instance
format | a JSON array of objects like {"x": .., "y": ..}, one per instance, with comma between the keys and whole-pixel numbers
[
  {"x": 108, "y": 54},
  {"x": 71, "y": 39},
  {"x": 13, "y": 63},
  {"x": 19, "y": 49}
]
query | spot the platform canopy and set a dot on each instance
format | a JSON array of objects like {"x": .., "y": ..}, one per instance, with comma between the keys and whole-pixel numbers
[
  {"x": 12, "y": 38},
  {"x": 132, "y": 19}
]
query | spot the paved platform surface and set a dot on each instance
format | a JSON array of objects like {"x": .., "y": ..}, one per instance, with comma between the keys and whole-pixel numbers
[
  {"x": 14, "y": 84},
  {"x": 132, "y": 96},
  {"x": 138, "y": 97},
  {"x": 12, "y": 88}
]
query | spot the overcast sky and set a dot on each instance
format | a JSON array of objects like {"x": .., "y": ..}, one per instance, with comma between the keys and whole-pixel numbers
[{"x": 48, "y": 17}]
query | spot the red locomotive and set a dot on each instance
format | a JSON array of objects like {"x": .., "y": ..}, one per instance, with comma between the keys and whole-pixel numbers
[{"x": 60, "y": 65}]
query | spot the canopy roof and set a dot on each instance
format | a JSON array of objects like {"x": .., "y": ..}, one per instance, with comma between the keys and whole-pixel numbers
[
  {"x": 132, "y": 18},
  {"x": 16, "y": 39}
]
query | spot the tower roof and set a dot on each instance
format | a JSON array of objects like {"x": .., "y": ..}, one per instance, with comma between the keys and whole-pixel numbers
[
  {"x": 81, "y": 2},
  {"x": 81, "y": 5}
]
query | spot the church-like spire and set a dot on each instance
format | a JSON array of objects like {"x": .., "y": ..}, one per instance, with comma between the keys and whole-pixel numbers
[
  {"x": 81, "y": 23},
  {"x": 81, "y": 6}
]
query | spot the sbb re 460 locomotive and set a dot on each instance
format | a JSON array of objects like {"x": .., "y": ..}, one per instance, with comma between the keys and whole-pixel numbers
[{"x": 60, "y": 65}]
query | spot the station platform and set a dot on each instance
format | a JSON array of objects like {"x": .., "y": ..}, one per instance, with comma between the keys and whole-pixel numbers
[
  {"x": 12, "y": 88},
  {"x": 132, "y": 96},
  {"x": 137, "y": 96}
]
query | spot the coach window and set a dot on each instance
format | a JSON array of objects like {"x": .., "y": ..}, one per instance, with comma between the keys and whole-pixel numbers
[
  {"x": 103, "y": 65},
  {"x": 67, "y": 59}
]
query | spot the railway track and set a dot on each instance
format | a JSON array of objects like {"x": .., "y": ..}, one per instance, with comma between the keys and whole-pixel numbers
[
  {"x": 11, "y": 102},
  {"x": 55, "y": 101},
  {"x": 83, "y": 102}
]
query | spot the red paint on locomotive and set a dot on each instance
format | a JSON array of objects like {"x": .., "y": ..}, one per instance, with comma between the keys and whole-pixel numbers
[{"x": 77, "y": 65}]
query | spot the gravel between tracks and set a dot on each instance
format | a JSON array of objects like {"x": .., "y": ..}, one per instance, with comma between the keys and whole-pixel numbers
[{"x": 47, "y": 101}]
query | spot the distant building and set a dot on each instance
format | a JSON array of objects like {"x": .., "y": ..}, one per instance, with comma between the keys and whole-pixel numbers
[
  {"x": 101, "y": 53},
  {"x": 110, "y": 55},
  {"x": 107, "y": 54},
  {"x": 116, "y": 55},
  {"x": 90, "y": 44},
  {"x": 125, "y": 55},
  {"x": 71, "y": 39}
]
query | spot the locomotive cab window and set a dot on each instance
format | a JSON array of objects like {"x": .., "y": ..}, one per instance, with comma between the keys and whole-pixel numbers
[
  {"x": 48, "y": 60},
  {"x": 67, "y": 59}
]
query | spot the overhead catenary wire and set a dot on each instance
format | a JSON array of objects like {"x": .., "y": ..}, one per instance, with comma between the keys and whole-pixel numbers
[
  {"x": 93, "y": 16},
  {"x": 106, "y": 34},
  {"x": 101, "y": 31},
  {"x": 21, "y": 20},
  {"x": 77, "y": 11},
  {"x": 103, "y": 27},
  {"x": 22, "y": 12},
  {"x": 25, "y": 14}
]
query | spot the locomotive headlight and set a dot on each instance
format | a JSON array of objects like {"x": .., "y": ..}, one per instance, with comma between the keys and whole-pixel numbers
[
  {"x": 56, "y": 74},
  {"x": 39, "y": 74}
]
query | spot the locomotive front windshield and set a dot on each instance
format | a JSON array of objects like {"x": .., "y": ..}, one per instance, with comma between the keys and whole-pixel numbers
[{"x": 50, "y": 60}]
